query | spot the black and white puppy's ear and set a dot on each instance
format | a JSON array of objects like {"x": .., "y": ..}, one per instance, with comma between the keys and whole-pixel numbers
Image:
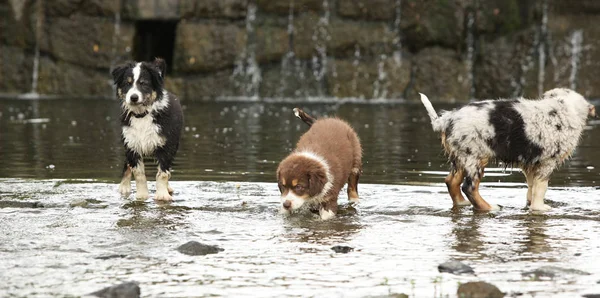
[
  {"x": 118, "y": 72},
  {"x": 161, "y": 65}
]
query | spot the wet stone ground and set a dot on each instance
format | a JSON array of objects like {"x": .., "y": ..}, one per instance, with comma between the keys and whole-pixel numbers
[{"x": 66, "y": 232}]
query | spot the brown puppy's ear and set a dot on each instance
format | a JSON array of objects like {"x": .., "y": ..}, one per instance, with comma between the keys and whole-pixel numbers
[{"x": 316, "y": 182}]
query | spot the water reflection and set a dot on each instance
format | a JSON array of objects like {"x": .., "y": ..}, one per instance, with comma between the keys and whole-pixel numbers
[{"x": 235, "y": 141}]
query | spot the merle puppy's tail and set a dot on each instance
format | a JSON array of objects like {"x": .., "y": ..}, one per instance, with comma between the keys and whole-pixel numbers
[
  {"x": 309, "y": 120},
  {"x": 435, "y": 118}
]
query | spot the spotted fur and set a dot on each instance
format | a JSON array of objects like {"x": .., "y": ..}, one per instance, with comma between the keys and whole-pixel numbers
[{"x": 536, "y": 135}]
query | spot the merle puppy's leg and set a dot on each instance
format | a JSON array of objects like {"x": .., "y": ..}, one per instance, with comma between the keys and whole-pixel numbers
[
  {"x": 141, "y": 185},
  {"x": 353, "y": 185},
  {"x": 471, "y": 189},
  {"x": 165, "y": 161},
  {"x": 329, "y": 208},
  {"x": 453, "y": 181},
  {"x": 529, "y": 178},
  {"x": 539, "y": 185}
]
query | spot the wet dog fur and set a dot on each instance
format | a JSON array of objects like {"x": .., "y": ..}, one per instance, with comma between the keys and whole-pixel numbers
[
  {"x": 327, "y": 156},
  {"x": 151, "y": 122},
  {"x": 535, "y": 135}
]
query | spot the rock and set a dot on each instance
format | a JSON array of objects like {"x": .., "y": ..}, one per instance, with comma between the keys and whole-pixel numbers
[
  {"x": 271, "y": 44},
  {"x": 71, "y": 79},
  {"x": 20, "y": 204},
  {"x": 150, "y": 10},
  {"x": 125, "y": 290},
  {"x": 550, "y": 272},
  {"x": 343, "y": 37},
  {"x": 455, "y": 267},
  {"x": 108, "y": 257},
  {"x": 66, "y": 8},
  {"x": 478, "y": 289},
  {"x": 283, "y": 7},
  {"x": 79, "y": 203},
  {"x": 232, "y": 9},
  {"x": 440, "y": 74},
  {"x": 432, "y": 23},
  {"x": 499, "y": 70},
  {"x": 361, "y": 80},
  {"x": 15, "y": 70},
  {"x": 194, "y": 248},
  {"x": 207, "y": 86},
  {"x": 17, "y": 25},
  {"x": 368, "y": 9},
  {"x": 591, "y": 296},
  {"x": 296, "y": 80},
  {"x": 342, "y": 249},
  {"x": 86, "y": 41},
  {"x": 201, "y": 47}
]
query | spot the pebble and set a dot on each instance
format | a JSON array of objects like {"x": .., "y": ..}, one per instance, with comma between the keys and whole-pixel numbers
[
  {"x": 129, "y": 289},
  {"x": 194, "y": 248},
  {"x": 342, "y": 249},
  {"x": 478, "y": 289},
  {"x": 455, "y": 267}
]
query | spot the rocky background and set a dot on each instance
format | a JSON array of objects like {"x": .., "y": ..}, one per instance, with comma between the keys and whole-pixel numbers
[{"x": 371, "y": 49}]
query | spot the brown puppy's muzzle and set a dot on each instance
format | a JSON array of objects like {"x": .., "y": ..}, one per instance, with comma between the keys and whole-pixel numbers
[
  {"x": 287, "y": 205},
  {"x": 592, "y": 111}
]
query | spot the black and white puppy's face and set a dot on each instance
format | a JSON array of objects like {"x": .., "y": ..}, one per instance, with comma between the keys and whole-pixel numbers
[{"x": 139, "y": 84}]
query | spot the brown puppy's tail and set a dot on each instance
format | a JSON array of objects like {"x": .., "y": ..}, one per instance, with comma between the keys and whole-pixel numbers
[{"x": 305, "y": 117}]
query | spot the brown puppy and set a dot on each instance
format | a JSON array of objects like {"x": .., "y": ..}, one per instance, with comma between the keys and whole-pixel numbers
[{"x": 326, "y": 156}]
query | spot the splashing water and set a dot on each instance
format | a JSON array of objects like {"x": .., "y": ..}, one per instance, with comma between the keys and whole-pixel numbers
[
  {"x": 36, "y": 56},
  {"x": 542, "y": 48},
  {"x": 380, "y": 85},
  {"x": 115, "y": 44},
  {"x": 397, "y": 41},
  {"x": 247, "y": 73},
  {"x": 357, "y": 69},
  {"x": 288, "y": 58},
  {"x": 470, "y": 42},
  {"x": 320, "y": 38},
  {"x": 576, "y": 41}
]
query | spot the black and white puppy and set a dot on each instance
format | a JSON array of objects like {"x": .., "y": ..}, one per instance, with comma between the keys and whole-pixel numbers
[
  {"x": 151, "y": 122},
  {"x": 536, "y": 135}
]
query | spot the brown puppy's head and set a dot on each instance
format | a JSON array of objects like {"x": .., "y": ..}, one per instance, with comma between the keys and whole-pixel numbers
[{"x": 302, "y": 177}]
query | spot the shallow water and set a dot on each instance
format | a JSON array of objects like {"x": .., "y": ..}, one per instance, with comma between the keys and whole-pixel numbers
[{"x": 67, "y": 232}]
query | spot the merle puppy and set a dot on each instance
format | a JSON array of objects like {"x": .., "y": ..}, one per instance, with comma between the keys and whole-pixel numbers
[
  {"x": 151, "y": 123},
  {"x": 536, "y": 135}
]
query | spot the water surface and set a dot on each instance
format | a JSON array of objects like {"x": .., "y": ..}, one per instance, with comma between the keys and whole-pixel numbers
[{"x": 67, "y": 232}]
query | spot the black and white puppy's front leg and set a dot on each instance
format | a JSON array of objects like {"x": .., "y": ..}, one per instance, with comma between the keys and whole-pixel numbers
[
  {"x": 134, "y": 165},
  {"x": 165, "y": 157}
]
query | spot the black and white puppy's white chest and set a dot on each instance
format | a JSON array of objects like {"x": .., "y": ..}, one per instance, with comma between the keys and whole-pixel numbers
[{"x": 143, "y": 135}]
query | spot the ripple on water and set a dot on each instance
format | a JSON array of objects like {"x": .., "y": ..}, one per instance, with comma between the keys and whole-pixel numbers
[{"x": 400, "y": 234}]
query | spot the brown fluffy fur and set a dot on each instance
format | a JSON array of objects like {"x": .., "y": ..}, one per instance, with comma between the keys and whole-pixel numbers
[{"x": 330, "y": 140}]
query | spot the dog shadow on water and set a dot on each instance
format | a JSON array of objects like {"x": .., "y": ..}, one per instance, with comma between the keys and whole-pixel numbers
[
  {"x": 470, "y": 236},
  {"x": 307, "y": 227},
  {"x": 142, "y": 215}
]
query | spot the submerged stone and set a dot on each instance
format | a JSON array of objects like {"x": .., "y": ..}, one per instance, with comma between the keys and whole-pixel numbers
[
  {"x": 455, "y": 267},
  {"x": 194, "y": 248},
  {"x": 107, "y": 257},
  {"x": 550, "y": 272},
  {"x": 478, "y": 289},
  {"x": 129, "y": 289},
  {"x": 342, "y": 249}
]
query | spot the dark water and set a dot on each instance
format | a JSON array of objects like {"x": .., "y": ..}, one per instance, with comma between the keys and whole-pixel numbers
[
  {"x": 234, "y": 141},
  {"x": 65, "y": 230}
]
